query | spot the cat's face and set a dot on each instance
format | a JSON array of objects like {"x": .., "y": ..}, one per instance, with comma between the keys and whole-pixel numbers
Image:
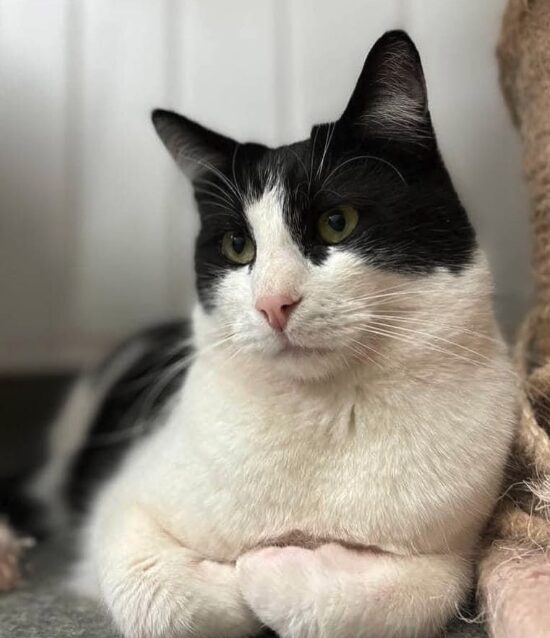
[{"x": 307, "y": 251}]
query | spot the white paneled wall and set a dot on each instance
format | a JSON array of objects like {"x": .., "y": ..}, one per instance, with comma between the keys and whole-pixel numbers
[{"x": 96, "y": 226}]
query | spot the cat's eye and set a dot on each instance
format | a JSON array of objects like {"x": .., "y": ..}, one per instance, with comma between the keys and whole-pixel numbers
[
  {"x": 337, "y": 224},
  {"x": 238, "y": 248}
]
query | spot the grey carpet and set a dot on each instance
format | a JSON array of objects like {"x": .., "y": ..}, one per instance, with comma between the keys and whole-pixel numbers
[{"x": 42, "y": 608}]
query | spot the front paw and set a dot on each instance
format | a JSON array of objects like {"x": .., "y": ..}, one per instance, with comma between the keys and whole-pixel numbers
[
  {"x": 281, "y": 586},
  {"x": 301, "y": 593}
]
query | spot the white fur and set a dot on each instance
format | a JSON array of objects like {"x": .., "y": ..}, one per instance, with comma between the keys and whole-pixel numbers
[{"x": 345, "y": 436}]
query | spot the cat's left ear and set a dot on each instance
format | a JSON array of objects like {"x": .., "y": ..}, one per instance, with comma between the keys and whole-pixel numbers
[
  {"x": 195, "y": 148},
  {"x": 390, "y": 99}
]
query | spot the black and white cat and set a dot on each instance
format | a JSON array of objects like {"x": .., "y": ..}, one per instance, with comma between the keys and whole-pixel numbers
[{"x": 329, "y": 462}]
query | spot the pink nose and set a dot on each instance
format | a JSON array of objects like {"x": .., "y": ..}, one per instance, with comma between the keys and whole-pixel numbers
[{"x": 276, "y": 309}]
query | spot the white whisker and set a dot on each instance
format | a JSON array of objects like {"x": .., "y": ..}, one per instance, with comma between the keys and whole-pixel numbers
[
  {"x": 430, "y": 336},
  {"x": 405, "y": 339},
  {"x": 360, "y": 157},
  {"x": 328, "y": 140}
]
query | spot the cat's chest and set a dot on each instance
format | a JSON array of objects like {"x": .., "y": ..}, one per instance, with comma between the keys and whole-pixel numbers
[{"x": 342, "y": 468}]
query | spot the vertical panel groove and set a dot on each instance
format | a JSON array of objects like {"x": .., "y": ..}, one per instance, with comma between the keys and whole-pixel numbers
[
  {"x": 289, "y": 111},
  {"x": 73, "y": 155},
  {"x": 176, "y": 19},
  {"x": 405, "y": 13}
]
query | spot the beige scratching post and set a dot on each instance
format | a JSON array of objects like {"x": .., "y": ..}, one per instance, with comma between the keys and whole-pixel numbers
[{"x": 514, "y": 574}]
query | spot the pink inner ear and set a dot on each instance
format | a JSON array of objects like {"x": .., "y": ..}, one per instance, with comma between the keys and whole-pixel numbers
[{"x": 518, "y": 595}]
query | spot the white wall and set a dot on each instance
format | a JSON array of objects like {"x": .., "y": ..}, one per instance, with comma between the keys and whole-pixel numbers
[{"x": 96, "y": 226}]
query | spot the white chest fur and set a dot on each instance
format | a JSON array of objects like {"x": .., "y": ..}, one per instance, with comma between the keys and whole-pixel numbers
[{"x": 408, "y": 465}]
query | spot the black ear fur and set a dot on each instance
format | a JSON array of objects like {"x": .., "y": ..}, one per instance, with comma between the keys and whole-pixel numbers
[
  {"x": 390, "y": 99},
  {"x": 195, "y": 148}
]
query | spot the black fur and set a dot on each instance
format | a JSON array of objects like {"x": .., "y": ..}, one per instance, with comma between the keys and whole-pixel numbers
[
  {"x": 388, "y": 168},
  {"x": 24, "y": 513},
  {"x": 128, "y": 411}
]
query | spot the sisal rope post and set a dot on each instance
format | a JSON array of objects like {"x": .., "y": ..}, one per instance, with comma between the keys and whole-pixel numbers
[{"x": 514, "y": 573}]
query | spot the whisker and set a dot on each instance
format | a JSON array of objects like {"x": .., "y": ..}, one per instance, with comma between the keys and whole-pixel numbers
[
  {"x": 229, "y": 212},
  {"x": 312, "y": 158},
  {"x": 214, "y": 196},
  {"x": 221, "y": 192},
  {"x": 371, "y": 349},
  {"x": 360, "y": 157},
  {"x": 205, "y": 164},
  {"x": 138, "y": 416},
  {"x": 405, "y": 339},
  {"x": 328, "y": 140},
  {"x": 399, "y": 293},
  {"x": 302, "y": 164},
  {"x": 361, "y": 354},
  {"x": 431, "y": 336},
  {"x": 233, "y": 164},
  {"x": 417, "y": 319}
]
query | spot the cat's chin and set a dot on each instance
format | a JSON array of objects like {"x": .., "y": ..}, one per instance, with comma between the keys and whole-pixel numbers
[
  {"x": 304, "y": 363},
  {"x": 289, "y": 348}
]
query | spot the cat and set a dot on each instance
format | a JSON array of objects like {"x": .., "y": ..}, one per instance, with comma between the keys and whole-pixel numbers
[{"x": 334, "y": 437}]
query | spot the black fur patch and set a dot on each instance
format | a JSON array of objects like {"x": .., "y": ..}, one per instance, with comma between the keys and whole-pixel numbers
[
  {"x": 128, "y": 411},
  {"x": 23, "y": 512}
]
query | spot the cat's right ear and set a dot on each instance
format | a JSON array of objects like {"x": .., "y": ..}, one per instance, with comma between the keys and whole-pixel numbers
[
  {"x": 195, "y": 148},
  {"x": 390, "y": 100}
]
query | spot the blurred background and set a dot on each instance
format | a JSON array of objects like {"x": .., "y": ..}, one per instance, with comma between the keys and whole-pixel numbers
[{"x": 96, "y": 226}]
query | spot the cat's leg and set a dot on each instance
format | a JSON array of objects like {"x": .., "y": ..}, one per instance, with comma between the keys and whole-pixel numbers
[
  {"x": 156, "y": 588},
  {"x": 515, "y": 583},
  {"x": 333, "y": 591}
]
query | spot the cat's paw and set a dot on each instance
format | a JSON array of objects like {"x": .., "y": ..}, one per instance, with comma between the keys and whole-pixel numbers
[
  {"x": 266, "y": 570},
  {"x": 301, "y": 592},
  {"x": 279, "y": 584},
  {"x": 10, "y": 550}
]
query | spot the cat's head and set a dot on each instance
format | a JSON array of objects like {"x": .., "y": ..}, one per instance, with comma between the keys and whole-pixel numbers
[{"x": 307, "y": 253}]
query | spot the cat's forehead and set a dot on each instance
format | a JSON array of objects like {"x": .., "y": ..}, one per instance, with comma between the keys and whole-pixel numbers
[
  {"x": 305, "y": 175},
  {"x": 267, "y": 216},
  {"x": 259, "y": 173}
]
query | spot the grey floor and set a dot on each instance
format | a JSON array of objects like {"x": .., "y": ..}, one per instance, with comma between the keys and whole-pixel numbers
[{"x": 41, "y": 607}]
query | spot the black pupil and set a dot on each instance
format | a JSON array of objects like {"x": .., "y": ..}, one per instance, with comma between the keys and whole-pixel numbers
[
  {"x": 337, "y": 222},
  {"x": 239, "y": 243}
]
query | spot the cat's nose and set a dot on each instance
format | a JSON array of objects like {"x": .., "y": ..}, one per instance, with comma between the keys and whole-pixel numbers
[{"x": 276, "y": 309}]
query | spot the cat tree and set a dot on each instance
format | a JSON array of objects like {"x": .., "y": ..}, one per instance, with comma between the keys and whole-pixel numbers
[{"x": 514, "y": 575}]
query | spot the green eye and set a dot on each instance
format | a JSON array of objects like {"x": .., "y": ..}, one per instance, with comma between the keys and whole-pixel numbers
[
  {"x": 337, "y": 224},
  {"x": 238, "y": 248}
]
